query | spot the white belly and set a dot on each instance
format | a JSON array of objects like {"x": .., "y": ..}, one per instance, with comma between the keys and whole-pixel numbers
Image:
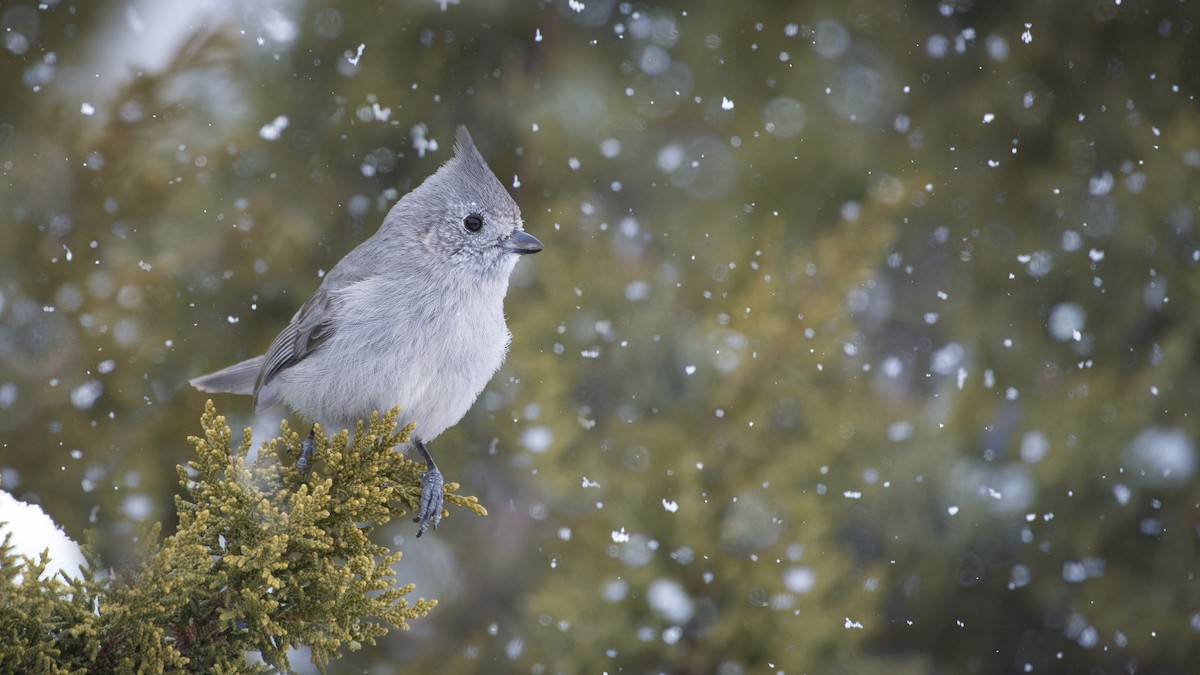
[{"x": 432, "y": 362}]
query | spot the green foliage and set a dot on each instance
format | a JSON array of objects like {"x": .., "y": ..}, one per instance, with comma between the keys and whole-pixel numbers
[
  {"x": 263, "y": 560},
  {"x": 46, "y": 625}
]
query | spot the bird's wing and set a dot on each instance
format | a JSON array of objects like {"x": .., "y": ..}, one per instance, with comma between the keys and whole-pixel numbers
[{"x": 309, "y": 329}]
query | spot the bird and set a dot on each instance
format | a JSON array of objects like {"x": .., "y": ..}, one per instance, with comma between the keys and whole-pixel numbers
[{"x": 411, "y": 317}]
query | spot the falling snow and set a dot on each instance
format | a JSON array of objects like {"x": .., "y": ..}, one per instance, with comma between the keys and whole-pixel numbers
[
  {"x": 868, "y": 289},
  {"x": 271, "y": 131}
]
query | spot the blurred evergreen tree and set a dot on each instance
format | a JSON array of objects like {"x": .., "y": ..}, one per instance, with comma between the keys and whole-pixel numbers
[{"x": 862, "y": 339}]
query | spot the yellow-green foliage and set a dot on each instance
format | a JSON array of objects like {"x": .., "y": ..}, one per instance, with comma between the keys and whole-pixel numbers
[
  {"x": 263, "y": 560},
  {"x": 46, "y": 625}
]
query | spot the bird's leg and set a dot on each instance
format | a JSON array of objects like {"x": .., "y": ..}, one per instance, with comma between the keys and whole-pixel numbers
[
  {"x": 430, "y": 507},
  {"x": 307, "y": 448}
]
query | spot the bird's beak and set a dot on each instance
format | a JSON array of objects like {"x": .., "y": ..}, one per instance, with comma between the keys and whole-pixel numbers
[{"x": 521, "y": 242}]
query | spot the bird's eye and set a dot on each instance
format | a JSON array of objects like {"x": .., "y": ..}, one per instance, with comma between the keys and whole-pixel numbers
[{"x": 473, "y": 222}]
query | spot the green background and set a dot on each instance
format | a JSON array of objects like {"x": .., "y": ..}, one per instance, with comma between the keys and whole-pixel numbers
[{"x": 864, "y": 339}]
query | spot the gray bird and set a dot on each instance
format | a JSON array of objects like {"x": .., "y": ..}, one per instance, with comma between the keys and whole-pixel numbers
[{"x": 412, "y": 317}]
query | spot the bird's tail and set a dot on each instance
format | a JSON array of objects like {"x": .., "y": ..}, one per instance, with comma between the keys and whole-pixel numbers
[{"x": 236, "y": 379}]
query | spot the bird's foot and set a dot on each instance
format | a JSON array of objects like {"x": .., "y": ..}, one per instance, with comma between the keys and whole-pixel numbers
[
  {"x": 429, "y": 510},
  {"x": 307, "y": 448}
]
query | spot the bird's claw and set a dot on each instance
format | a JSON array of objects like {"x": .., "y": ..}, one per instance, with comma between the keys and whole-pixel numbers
[
  {"x": 430, "y": 508},
  {"x": 307, "y": 448}
]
